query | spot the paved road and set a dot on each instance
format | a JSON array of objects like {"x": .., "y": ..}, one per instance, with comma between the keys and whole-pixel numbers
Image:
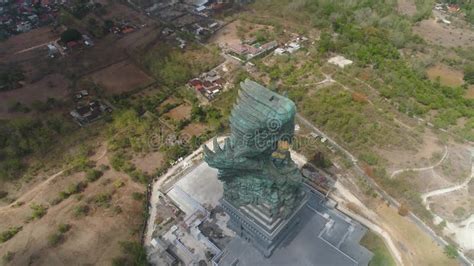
[{"x": 380, "y": 191}]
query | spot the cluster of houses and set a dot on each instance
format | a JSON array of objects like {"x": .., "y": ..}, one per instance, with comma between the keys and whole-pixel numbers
[
  {"x": 292, "y": 46},
  {"x": 209, "y": 84},
  {"x": 192, "y": 17},
  {"x": 57, "y": 48},
  {"x": 18, "y": 16},
  {"x": 446, "y": 9},
  {"x": 451, "y": 8},
  {"x": 88, "y": 110},
  {"x": 249, "y": 49}
]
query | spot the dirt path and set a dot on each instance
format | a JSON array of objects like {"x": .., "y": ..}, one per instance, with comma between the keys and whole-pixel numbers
[
  {"x": 396, "y": 172},
  {"x": 36, "y": 46},
  {"x": 464, "y": 230}
]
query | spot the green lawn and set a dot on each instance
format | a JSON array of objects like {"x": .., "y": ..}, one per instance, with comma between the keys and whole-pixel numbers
[{"x": 382, "y": 256}]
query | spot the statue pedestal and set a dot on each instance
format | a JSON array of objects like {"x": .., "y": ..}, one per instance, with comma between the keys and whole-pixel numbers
[{"x": 255, "y": 224}]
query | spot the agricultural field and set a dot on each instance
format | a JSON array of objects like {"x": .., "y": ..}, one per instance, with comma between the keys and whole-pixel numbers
[{"x": 120, "y": 77}]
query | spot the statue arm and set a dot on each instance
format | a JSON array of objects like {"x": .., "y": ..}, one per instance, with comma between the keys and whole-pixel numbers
[{"x": 225, "y": 158}]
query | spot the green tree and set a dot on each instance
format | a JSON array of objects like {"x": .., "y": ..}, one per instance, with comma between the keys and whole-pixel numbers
[
  {"x": 70, "y": 35},
  {"x": 451, "y": 251},
  {"x": 469, "y": 74}
]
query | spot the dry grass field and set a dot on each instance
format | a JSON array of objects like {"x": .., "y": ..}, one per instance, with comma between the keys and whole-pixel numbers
[
  {"x": 112, "y": 216},
  {"x": 447, "y": 75},
  {"x": 120, "y": 77}
]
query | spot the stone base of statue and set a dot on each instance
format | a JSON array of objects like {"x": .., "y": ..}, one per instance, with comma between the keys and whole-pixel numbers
[{"x": 255, "y": 224}]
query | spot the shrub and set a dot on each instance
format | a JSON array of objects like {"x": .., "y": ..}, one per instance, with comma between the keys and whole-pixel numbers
[
  {"x": 403, "y": 210},
  {"x": 76, "y": 188},
  {"x": 117, "y": 209},
  {"x": 134, "y": 254},
  {"x": 11, "y": 232},
  {"x": 38, "y": 211},
  {"x": 103, "y": 199},
  {"x": 81, "y": 210},
  {"x": 93, "y": 175},
  {"x": 63, "y": 228},
  {"x": 8, "y": 257},
  {"x": 459, "y": 212},
  {"x": 3, "y": 194},
  {"x": 55, "y": 239},
  {"x": 119, "y": 183},
  {"x": 138, "y": 196},
  {"x": 451, "y": 251}
]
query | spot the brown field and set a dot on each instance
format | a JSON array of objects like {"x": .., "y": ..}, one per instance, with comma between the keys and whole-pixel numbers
[
  {"x": 447, "y": 75},
  {"x": 195, "y": 129},
  {"x": 402, "y": 158},
  {"x": 92, "y": 240},
  {"x": 445, "y": 205},
  {"x": 33, "y": 38},
  {"x": 121, "y": 77},
  {"x": 180, "y": 113},
  {"x": 51, "y": 86},
  {"x": 424, "y": 181},
  {"x": 407, "y": 7},
  {"x": 470, "y": 92},
  {"x": 148, "y": 163},
  {"x": 441, "y": 34},
  {"x": 416, "y": 246},
  {"x": 228, "y": 35}
]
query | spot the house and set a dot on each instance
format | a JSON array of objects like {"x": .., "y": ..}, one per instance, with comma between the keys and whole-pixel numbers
[
  {"x": 280, "y": 51},
  {"x": 52, "y": 50},
  {"x": 23, "y": 26},
  {"x": 196, "y": 84},
  {"x": 238, "y": 49},
  {"x": 293, "y": 47},
  {"x": 72, "y": 44},
  {"x": 200, "y": 8},
  {"x": 90, "y": 112},
  {"x": 87, "y": 40},
  {"x": 453, "y": 8},
  {"x": 340, "y": 61}
]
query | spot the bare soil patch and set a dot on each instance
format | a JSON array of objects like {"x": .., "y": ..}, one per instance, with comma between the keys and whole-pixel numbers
[
  {"x": 402, "y": 158},
  {"x": 407, "y": 7},
  {"x": 447, "y": 75},
  {"x": 424, "y": 181},
  {"x": 51, "y": 86},
  {"x": 195, "y": 129},
  {"x": 455, "y": 206},
  {"x": 470, "y": 92},
  {"x": 229, "y": 34},
  {"x": 148, "y": 163},
  {"x": 33, "y": 38},
  {"x": 180, "y": 113},
  {"x": 121, "y": 77},
  {"x": 441, "y": 34},
  {"x": 457, "y": 165}
]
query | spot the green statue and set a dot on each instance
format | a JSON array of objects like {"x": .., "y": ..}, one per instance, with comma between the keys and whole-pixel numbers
[{"x": 254, "y": 163}]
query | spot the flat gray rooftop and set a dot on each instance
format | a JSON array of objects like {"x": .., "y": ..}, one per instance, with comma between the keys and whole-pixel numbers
[{"x": 324, "y": 237}]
